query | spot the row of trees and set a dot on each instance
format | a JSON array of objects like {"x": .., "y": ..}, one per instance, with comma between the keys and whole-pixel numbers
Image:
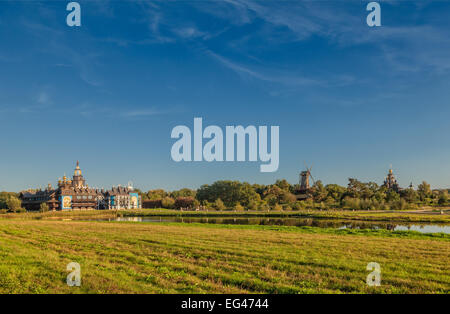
[
  {"x": 281, "y": 195},
  {"x": 360, "y": 195},
  {"x": 237, "y": 195}
]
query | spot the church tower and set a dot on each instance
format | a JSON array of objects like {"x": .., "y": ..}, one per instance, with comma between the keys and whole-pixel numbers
[
  {"x": 78, "y": 180},
  {"x": 391, "y": 182}
]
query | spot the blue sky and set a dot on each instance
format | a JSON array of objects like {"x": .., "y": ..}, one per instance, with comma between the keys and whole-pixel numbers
[{"x": 349, "y": 99}]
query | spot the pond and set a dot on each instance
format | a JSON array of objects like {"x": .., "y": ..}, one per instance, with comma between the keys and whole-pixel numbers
[{"x": 300, "y": 222}]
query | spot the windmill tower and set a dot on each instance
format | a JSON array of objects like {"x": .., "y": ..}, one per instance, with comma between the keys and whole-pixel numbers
[{"x": 304, "y": 180}]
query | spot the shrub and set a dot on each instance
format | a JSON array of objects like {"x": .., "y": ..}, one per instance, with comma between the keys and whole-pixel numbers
[
  {"x": 238, "y": 207},
  {"x": 184, "y": 202},
  {"x": 218, "y": 204},
  {"x": 168, "y": 202},
  {"x": 13, "y": 204},
  {"x": 443, "y": 198},
  {"x": 399, "y": 204},
  {"x": 252, "y": 205},
  {"x": 298, "y": 206},
  {"x": 351, "y": 203},
  {"x": 277, "y": 207},
  {"x": 196, "y": 204},
  {"x": 43, "y": 208},
  {"x": 207, "y": 205}
]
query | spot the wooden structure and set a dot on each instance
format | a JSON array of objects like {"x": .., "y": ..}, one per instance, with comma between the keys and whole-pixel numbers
[{"x": 75, "y": 194}]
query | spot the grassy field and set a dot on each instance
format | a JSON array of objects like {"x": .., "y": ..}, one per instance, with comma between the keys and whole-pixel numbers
[{"x": 117, "y": 257}]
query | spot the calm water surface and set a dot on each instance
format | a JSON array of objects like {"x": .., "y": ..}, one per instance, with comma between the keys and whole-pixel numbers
[{"x": 299, "y": 222}]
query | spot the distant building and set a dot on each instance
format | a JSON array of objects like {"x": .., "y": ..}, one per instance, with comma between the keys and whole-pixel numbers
[
  {"x": 75, "y": 194},
  {"x": 304, "y": 188},
  {"x": 121, "y": 197},
  {"x": 391, "y": 182}
]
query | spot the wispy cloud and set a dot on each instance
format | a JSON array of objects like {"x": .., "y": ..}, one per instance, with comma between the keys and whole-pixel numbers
[
  {"x": 84, "y": 62},
  {"x": 426, "y": 45},
  {"x": 91, "y": 110},
  {"x": 141, "y": 113},
  {"x": 43, "y": 98},
  {"x": 285, "y": 79}
]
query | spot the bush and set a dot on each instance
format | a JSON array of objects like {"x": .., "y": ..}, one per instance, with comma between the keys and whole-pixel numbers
[
  {"x": 298, "y": 206},
  {"x": 207, "y": 204},
  {"x": 351, "y": 203},
  {"x": 277, "y": 207},
  {"x": 168, "y": 202},
  {"x": 218, "y": 204},
  {"x": 184, "y": 202},
  {"x": 264, "y": 206},
  {"x": 43, "y": 208},
  {"x": 196, "y": 204},
  {"x": 229, "y": 192},
  {"x": 443, "y": 198},
  {"x": 399, "y": 204},
  {"x": 238, "y": 207},
  {"x": 14, "y": 204},
  {"x": 252, "y": 205}
]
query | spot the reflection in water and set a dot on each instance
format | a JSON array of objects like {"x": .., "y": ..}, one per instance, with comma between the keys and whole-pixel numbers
[{"x": 298, "y": 222}]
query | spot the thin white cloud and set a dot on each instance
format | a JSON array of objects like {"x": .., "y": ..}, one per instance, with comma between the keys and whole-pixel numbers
[
  {"x": 141, "y": 113},
  {"x": 281, "y": 78},
  {"x": 407, "y": 48},
  {"x": 43, "y": 98}
]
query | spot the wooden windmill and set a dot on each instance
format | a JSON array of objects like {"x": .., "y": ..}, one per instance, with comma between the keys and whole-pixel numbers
[{"x": 304, "y": 179}]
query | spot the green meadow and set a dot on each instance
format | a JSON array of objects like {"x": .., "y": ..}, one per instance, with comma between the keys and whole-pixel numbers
[{"x": 126, "y": 257}]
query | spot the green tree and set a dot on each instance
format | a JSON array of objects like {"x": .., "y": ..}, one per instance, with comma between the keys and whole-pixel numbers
[
  {"x": 319, "y": 192},
  {"x": 276, "y": 195},
  {"x": 196, "y": 204},
  {"x": 335, "y": 191},
  {"x": 424, "y": 190},
  {"x": 277, "y": 207},
  {"x": 158, "y": 194},
  {"x": 14, "y": 204},
  {"x": 218, "y": 204},
  {"x": 283, "y": 184},
  {"x": 298, "y": 206},
  {"x": 183, "y": 193},
  {"x": 4, "y": 196},
  {"x": 392, "y": 196},
  {"x": 381, "y": 194},
  {"x": 409, "y": 195},
  {"x": 443, "y": 198},
  {"x": 264, "y": 205},
  {"x": 252, "y": 205},
  {"x": 143, "y": 195},
  {"x": 355, "y": 188},
  {"x": 230, "y": 192},
  {"x": 43, "y": 207},
  {"x": 168, "y": 202}
]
